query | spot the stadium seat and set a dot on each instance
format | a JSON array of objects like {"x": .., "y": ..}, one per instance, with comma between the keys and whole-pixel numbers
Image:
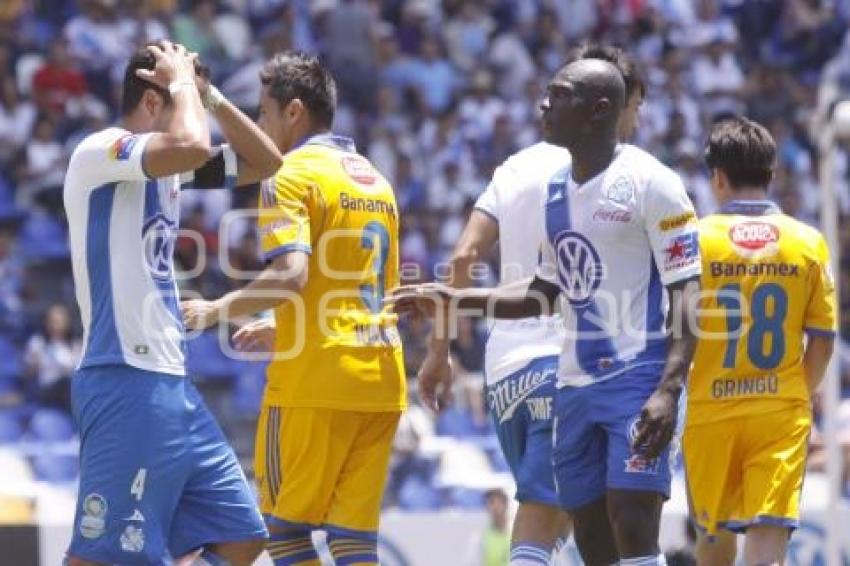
[
  {"x": 55, "y": 468},
  {"x": 465, "y": 498},
  {"x": 455, "y": 422},
  {"x": 51, "y": 425},
  {"x": 416, "y": 495},
  {"x": 10, "y": 428},
  {"x": 42, "y": 237}
]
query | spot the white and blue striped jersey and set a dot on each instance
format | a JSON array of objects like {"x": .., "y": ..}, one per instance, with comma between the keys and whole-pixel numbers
[
  {"x": 514, "y": 198},
  {"x": 122, "y": 230},
  {"x": 611, "y": 245}
]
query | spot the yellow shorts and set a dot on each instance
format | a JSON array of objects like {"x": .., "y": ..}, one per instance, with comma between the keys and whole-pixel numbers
[
  {"x": 747, "y": 470},
  {"x": 323, "y": 467}
]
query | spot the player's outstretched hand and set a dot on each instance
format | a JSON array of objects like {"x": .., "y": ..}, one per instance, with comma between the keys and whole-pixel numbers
[
  {"x": 435, "y": 380},
  {"x": 657, "y": 424},
  {"x": 419, "y": 300},
  {"x": 199, "y": 314},
  {"x": 173, "y": 63},
  {"x": 256, "y": 336}
]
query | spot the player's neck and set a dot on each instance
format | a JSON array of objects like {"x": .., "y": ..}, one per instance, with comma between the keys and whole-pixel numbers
[
  {"x": 746, "y": 193},
  {"x": 135, "y": 123},
  {"x": 591, "y": 159}
]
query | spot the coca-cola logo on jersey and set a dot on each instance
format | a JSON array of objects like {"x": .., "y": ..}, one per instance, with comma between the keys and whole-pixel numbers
[{"x": 754, "y": 236}]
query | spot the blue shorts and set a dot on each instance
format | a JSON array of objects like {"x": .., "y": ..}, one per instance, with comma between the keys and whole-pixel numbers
[
  {"x": 158, "y": 478},
  {"x": 521, "y": 407},
  {"x": 594, "y": 428}
]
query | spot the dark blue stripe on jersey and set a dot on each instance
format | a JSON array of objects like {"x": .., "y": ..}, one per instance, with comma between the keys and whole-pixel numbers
[
  {"x": 151, "y": 200},
  {"x": 104, "y": 344},
  {"x": 656, "y": 342},
  {"x": 167, "y": 287},
  {"x": 594, "y": 348}
]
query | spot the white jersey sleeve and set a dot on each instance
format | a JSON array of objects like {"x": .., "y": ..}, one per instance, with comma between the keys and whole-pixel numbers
[
  {"x": 488, "y": 202},
  {"x": 112, "y": 155},
  {"x": 670, "y": 222}
]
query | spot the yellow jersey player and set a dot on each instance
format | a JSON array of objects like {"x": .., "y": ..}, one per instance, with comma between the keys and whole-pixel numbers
[
  {"x": 328, "y": 224},
  {"x": 766, "y": 335}
]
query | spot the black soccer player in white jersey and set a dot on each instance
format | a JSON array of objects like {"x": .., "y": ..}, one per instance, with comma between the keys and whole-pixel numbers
[{"x": 521, "y": 357}]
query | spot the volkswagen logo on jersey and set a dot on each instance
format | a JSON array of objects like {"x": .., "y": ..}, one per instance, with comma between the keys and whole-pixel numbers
[
  {"x": 158, "y": 236},
  {"x": 580, "y": 269}
]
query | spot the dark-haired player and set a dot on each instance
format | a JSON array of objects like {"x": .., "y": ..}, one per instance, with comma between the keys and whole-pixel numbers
[
  {"x": 158, "y": 478},
  {"x": 328, "y": 224},
  {"x": 767, "y": 276}
]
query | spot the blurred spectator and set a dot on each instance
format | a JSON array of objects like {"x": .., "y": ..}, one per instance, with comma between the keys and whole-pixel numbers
[
  {"x": 496, "y": 546},
  {"x": 95, "y": 39},
  {"x": 719, "y": 80},
  {"x": 11, "y": 282},
  {"x": 196, "y": 30},
  {"x": 17, "y": 117},
  {"x": 436, "y": 79},
  {"x": 51, "y": 357},
  {"x": 43, "y": 167},
  {"x": 59, "y": 87}
]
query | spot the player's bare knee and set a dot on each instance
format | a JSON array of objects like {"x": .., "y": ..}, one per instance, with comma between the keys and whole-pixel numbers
[{"x": 634, "y": 528}]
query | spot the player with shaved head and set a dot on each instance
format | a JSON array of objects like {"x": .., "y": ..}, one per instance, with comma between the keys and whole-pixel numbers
[{"x": 616, "y": 229}]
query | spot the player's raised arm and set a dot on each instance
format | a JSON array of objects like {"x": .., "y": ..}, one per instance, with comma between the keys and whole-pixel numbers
[
  {"x": 250, "y": 156},
  {"x": 184, "y": 143}
]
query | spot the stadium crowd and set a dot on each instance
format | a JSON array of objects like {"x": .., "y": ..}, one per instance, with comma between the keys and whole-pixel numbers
[{"x": 436, "y": 94}]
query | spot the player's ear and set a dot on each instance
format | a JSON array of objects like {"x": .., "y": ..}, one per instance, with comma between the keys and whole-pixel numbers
[{"x": 295, "y": 109}]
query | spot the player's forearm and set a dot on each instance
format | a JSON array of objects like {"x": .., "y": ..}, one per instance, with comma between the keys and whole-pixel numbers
[
  {"x": 683, "y": 335},
  {"x": 816, "y": 359},
  {"x": 188, "y": 123},
  {"x": 502, "y": 302},
  {"x": 478, "y": 238},
  {"x": 275, "y": 285},
  {"x": 257, "y": 152}
]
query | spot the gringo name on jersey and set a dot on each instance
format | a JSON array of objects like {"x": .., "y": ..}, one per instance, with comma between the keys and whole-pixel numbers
[
  {"x": 745, "y": 386},
  {"x": 726, "y": 269},
  {"x": 361, "y": 204}
]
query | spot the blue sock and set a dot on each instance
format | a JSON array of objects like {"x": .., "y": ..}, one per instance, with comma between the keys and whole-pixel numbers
[
  {"x": 292, "y": 547},
  {"x": 530, "y": 554},
  {"x": 352, "y": 548}
]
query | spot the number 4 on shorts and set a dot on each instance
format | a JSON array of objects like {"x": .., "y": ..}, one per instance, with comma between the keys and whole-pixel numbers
[{"x": 137, "y": 488}]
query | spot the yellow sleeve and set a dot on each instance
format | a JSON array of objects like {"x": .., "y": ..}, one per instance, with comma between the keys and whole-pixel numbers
[
  {"x": 284, "y": 222},
  {"x": 821, "y": 311}
]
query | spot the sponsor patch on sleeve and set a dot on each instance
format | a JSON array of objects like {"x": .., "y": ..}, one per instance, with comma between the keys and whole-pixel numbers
[
  {"x": 681, "y": 251},
  {"x": 122, "y": 148},
  {"x": 673, "y": 222}
]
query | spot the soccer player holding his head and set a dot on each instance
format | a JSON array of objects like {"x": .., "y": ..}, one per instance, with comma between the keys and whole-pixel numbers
[
  {"x": 329, "y": 233},
  {"x": 768, "y": 284},
  {"x": 158, "y": 479},
  {"x": 617, "y": 229},
  {"x": 521, "y": 357}
]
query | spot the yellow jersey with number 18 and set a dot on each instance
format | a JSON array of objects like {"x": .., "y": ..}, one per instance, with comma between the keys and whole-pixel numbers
[
  {"x": 336, "y": 347},
  {"x": 766, "y": 282}
]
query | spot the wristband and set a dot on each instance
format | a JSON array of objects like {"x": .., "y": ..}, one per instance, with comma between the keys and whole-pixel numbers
[
  {"x": 178, "y": 85},
  {"x": 212, "y": 99}
]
